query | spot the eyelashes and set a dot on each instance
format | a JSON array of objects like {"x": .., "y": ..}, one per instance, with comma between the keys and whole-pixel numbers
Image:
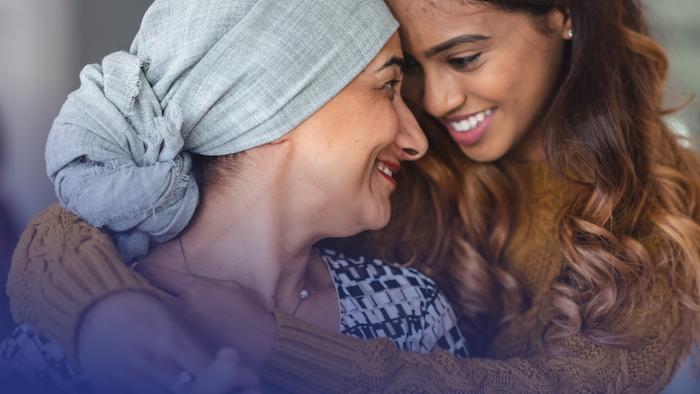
[
  {"x": 392, "y": 84},
  {"x": 390, "y": 88},
  {"x": 464, "y": 62},
  {"x": 412, "y": 66}
]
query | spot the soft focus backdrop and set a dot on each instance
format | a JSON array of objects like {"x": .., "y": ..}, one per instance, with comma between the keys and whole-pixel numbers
[{"x": 45, "y": 43}]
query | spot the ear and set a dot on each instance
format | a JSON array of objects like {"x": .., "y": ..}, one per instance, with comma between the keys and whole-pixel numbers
[{"x": 559, "y": 22}]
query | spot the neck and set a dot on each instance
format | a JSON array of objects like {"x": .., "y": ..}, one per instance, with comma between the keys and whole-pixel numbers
[
  {"x": 250, "y": 236},
  {"x": 252, "y": 249}
]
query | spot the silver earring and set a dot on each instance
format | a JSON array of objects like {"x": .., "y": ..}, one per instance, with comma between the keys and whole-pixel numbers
[{"x": 570, "y": 34}]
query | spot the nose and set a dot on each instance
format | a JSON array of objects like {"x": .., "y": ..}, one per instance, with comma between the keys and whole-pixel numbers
[
  {"x": 410, "y": 140},
  {"x": 440, "y": 94}
]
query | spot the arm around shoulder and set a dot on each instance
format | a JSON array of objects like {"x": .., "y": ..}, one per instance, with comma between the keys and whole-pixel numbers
[
  {"x": 307, "y": 359},
  {"x": 61, "y": 267}
]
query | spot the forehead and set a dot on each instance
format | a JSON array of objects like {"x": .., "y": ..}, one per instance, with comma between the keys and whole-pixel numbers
[
  {"x": 425, "y": 23},
  {"x": 393, "y": 46},
  {"x": 391, "y": 49}
]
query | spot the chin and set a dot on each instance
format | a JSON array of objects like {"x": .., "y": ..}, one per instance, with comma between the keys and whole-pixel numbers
[
  {"x": 378, "y": 220},
  {"x": 483, "y": 154},
  {"x": 362, "y": 221}
]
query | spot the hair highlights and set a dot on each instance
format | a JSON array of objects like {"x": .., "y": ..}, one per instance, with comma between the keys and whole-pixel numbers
[{"x": 631, "y": 227}]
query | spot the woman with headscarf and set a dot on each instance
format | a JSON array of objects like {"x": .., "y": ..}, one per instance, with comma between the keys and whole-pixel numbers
[{"x": 225, "y": 144}]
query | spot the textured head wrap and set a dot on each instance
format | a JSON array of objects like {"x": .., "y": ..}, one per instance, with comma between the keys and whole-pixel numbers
[{"x": 211, "y": 77}]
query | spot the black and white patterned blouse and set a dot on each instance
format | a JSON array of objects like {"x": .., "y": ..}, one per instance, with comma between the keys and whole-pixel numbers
[{"x": 376, "y": 300}]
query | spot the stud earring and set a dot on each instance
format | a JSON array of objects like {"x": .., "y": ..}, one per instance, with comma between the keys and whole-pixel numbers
[{"x": 570, "y": 34}]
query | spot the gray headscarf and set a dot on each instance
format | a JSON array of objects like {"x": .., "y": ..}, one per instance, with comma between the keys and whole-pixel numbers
[{"x": 212, "y": 77}]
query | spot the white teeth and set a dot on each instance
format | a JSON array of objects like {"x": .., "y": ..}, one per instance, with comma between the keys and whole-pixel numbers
[
  {"x": 472, "y": 121},
  {"x": 383, "y": 168}
]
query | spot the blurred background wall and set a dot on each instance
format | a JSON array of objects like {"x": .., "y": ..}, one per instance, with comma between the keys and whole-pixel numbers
[
  {"x": 43, "y": 46},
  {"x": 45, "y": 43}
]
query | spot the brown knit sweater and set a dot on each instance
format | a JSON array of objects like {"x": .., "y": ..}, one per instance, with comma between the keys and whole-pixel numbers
[{"x": 62, "y": 266}]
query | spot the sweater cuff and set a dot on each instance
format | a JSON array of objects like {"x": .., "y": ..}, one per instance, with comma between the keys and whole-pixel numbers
[{"x": 307, "y": 359}]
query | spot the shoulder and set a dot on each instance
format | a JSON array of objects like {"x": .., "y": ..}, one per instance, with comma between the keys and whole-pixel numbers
[
  {"x": 53, "y": 239},
  {"x": 56, "y": 230},
  {"x": 57, "y": 217}
]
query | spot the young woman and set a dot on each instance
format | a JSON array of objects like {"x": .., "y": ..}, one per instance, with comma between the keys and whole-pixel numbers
[
  {"x": 205, "y": 102},
  {"x": 555, "y": 206}
]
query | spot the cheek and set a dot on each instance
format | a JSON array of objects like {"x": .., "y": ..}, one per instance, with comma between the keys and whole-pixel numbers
[
  {"x": 378, "y": 127},
  {"x": 499, "y": 81},
  {"x": 518, "y": 85},
  {"x": 532, "y": 75}
]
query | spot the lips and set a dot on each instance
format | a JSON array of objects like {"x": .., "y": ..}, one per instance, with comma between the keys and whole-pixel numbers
[
  {"x": 467, "y": 130},
  {"x": 387, "y": 169}
]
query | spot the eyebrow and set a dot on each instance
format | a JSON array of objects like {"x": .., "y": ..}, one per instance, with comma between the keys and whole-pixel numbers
[
  {"x": 452, "y": 42},
  {"x": 394, "y": 61}
]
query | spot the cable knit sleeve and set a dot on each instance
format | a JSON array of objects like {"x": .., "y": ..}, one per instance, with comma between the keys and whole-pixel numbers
[
  {"x": 61, "y": 267},
  {"x": 306, "y": 359}
]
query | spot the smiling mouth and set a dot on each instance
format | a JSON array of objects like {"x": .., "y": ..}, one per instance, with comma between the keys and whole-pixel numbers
[
  {"x": 387, "y": 170},
  {"x": 471, "y": 122},
  {"x": 468, "y": 130}
]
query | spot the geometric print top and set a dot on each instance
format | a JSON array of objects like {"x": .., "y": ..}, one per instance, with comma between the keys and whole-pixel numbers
[
  {"x": 376, "y": 300},
  {"x": 30, "y": 363}
]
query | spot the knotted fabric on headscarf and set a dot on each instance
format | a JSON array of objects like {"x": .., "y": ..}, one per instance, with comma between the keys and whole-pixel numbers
[{"x": 211, "y": 77}]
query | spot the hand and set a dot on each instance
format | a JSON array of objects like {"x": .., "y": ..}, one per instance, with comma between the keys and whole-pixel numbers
[
  {"x": 130, "y": 343},
  {"x": 221, "y": 312}
]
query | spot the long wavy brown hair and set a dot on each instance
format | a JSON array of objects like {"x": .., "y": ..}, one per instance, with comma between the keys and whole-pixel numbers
[{"x": 630, "y": 229}]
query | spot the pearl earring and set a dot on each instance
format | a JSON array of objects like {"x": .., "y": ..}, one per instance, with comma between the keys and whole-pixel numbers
[{"x": 570, "y": 34}]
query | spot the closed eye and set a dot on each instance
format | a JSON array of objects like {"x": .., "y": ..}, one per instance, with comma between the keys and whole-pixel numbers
[
  {"x": 390, "y": 87},
  {"x": 464, "y": 62}
]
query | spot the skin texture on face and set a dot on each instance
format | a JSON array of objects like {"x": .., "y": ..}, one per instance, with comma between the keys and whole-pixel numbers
[
  {"x": 338, "y": 154},
  {"x": 486, "y": 74}
]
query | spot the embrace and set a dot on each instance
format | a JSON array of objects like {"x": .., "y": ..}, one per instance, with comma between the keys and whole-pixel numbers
[{"x": 364, "y": 196}]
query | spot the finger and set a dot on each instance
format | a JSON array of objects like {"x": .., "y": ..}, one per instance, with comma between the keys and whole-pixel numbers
[
  {"x": 173, "y": 303},
  {"x": 229, "y": 284},
  {"x": 220, "y": 377},
  {"x": 180, "y": 281},
  {"x": 168, "y": 280},
  {"x": 165, "y": 373},
  {"x": 191, "y": 356},
  {"x": 175, "y": 382},
  {"x": 245, "y": 378},
  {"x": 155, "y": 370}
]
